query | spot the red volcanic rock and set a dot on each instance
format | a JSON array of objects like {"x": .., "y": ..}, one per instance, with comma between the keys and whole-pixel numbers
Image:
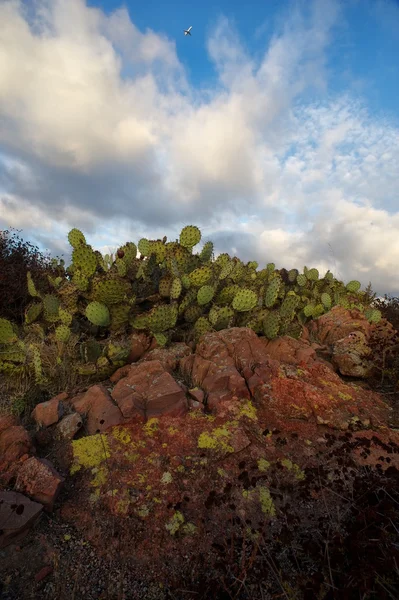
[
  {"x": 337, "y": 324},
  {"x": 47, "y": 413},
  {"x": 38, "y": 479},
  {"x": 140, "y": 343},
  {"x": 17, "y": 515},
  {"x": 352, "y": 356},
  {"x": 149, "y": 390},
  {"x": 14, "y": 443},
  {"x": 99, "y": 408}
]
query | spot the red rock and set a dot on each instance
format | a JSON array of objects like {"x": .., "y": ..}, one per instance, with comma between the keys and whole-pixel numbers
[
  {"x": 48, "y": 413},
  {"x": 14, "y": 443},
  {"x": 352, "y": 356},
  {"x": 168, "y": 357},
  {"x": 289, "y": 350},
  {"x": 38, "y": 479},
  {"x": 17, "y": 515},
  {"x": 197, "y": 394},
  {"x": 140, "y": 343},
  {"x": 337, "y": 324},
  {"x": 150, "y": 391},
  {"x": 7, "y": 421},
  {"x": 99, "y": 408}
]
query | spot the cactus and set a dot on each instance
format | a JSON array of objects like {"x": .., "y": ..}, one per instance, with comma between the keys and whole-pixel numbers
[
  {"x": 190, "y": 236},
  {"x": 206, "y": 252},
  {"x": 62, "y": 333},
  {"x": 33, "y": 312},
  {"x": 205, "y": 294},
  {"x": 144, "y": 247},
  {"x": 245, "y": 300},
  {"x": 98, "y": 314},
  {"x": 353, "y": 286},
  {"x": 326, "y": 300},
  {"x": 7, "y": 333},
  {"x": 272, "y": 292},
  {"x": 201, "y": 326},
  {"x": 31, "y": 286},
  {"x": 271, "y": 324},
  {"x": 76, "y": 238},
  {"x": 200, "y": 276},
  {"x": 162, "y": 318},
  {"x": 176, "y": 288}
]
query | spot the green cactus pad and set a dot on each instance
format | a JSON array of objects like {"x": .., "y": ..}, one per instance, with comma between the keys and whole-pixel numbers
[
  {"x": 226, "y": 295},
  {"x": 200, "y": 276},
  {"x": 326, "y": 300},
  {"x": 162, "y": 318},
  {"x": 192, "y": 313},
  {"x": 31, "y": 286},
  {"x": 144, "y": 246},
  {"x": 373, "y": 315},
  {"x": 33, "y": 311},
  {"x": 312, "y": 274},
  {"x": 227, "y": 270},
  {"x": 206, "y": 252},
  {"x": 353, "y": 286},
  {"x": 176, "y": 288},
  {"x": 301, "y": 280},
  {"x": 205, "y": 294},
  {"x": 51, "y": 306},
  {"x": 111, "y": 291},
  {"x": 161, "y": 339},
  {"x": 288, "y": 306},
  {"x": 76, "y": 238},
  {"x": 98, "y": 314},
  {"x": 271, "y": 324},
  {"x": 201, "y": 326},
  {"x": 245, "y": 300},
  {"x": 272, "y": 291},
  {"x": 62, "y": 333},
  {"x": 190, "y": 236},
  {"x": 7, "y": 333}
]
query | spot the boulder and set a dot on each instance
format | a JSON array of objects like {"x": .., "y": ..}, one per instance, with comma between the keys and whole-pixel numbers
[
  {"x": 149, "y": 390},
  {"x": 17, "y": 515}
]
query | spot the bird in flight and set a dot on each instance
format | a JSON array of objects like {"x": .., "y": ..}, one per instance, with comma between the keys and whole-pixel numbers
[{"x": 187, "y": 31}]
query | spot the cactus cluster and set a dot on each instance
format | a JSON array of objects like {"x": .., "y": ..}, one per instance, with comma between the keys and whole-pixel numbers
[{"x": 167, "y": 290}]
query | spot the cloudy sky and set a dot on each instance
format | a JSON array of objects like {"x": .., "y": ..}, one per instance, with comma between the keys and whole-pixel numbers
[{"x": 274, "y": 128}]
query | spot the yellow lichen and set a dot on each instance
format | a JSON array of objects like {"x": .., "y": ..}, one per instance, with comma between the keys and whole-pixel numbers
[
  {"x": 247, "y": 409},
  {"x": 122, "y": 435},
  {"x": 300, "y": 372},
  {"x": 266, "y": 501},
  {"x": 151, "y": 426},
  {"x": 345, "y": 396},
  {"x": 172, "y": 430},
  {"x": 263, "y": 464},
  {"x": 89, "y": 452},
  {"x": 299, "y": 474},
  {"x": 175, "y": 522},
  {"x": 214, "y": 440}
]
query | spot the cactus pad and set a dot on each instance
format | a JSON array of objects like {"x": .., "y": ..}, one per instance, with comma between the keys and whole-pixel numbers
[{"x": 98, "y": 314}]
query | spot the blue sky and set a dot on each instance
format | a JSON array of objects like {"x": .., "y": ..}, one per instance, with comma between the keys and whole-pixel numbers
[{"x": 274, "y": 128}]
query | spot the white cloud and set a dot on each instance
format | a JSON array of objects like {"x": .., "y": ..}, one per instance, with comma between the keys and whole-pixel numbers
[{"x": 100, "y": 129}]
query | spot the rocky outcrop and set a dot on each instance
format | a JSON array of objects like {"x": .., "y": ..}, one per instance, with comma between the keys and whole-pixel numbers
[{"x": 176, "y": 423}]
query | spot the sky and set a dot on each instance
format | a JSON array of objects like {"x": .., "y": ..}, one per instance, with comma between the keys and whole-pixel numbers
[{"x": 274, "y": 128}]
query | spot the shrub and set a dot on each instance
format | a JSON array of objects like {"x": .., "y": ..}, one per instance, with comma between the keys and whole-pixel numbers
[{"x": 16, "y": 259}]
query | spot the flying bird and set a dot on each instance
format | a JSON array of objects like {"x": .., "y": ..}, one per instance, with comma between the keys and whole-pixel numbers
[{"x": 187, "y": 31}]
